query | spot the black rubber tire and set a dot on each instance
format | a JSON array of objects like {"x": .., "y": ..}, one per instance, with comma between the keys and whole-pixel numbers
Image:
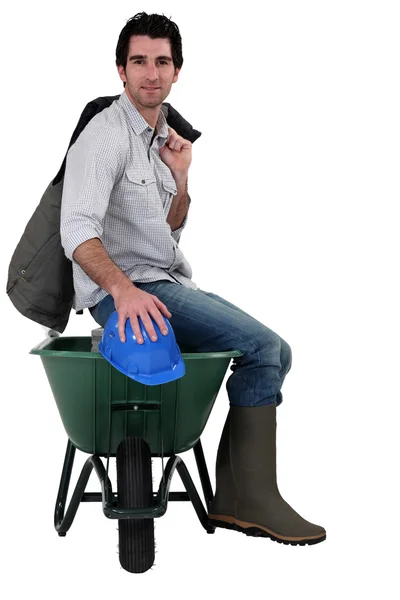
[{"x": 135, "y": 490}]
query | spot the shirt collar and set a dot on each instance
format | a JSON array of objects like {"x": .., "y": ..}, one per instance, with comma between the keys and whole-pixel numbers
[{"x": 137, "y": 120}]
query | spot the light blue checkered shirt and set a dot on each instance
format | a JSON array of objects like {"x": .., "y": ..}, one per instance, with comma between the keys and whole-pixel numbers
[{"x": 117, "y": 188}]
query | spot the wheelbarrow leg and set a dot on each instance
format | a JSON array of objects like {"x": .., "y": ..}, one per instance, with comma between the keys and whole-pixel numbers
[
  {"x": 63, "y": 488},
  {"x": 194, "y": 496},
  {"x": 63, "y": 523},
  {"x": 203, "y": 473}
]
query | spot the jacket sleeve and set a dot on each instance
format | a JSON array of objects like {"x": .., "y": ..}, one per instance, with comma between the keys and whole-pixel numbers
[
  {"x": 92, "y": 166},
  {"x": 177, "y": 233}
]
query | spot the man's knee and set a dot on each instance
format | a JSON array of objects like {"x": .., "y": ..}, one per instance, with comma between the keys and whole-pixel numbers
[
  {"x": 273, "y": 345},
  {"x": 286, "y": 356}
]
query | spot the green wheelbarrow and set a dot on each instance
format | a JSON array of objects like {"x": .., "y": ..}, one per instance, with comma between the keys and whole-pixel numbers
[{"x": 107, "y": 414}]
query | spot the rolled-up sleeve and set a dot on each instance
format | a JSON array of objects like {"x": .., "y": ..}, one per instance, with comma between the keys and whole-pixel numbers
[
  {"x": 92, "y": 166},
  {"x": 177, "y": 233}
]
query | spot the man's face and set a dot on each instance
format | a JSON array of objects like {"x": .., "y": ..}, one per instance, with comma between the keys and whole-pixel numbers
[{"x": 155, "y": 70}]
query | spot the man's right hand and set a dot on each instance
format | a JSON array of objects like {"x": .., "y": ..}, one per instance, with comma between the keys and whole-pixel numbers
[{"x": 132, "y": 302}]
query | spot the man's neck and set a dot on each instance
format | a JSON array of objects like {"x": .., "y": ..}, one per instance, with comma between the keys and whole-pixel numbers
[{"x": 149, "y": 114}]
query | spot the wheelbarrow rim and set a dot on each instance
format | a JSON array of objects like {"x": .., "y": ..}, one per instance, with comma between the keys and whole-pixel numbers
[{"x": 42, "y": 349}]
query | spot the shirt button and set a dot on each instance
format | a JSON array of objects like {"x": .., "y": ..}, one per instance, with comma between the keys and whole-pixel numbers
[
  {"x": 143, "y": 181},
  {"x": 149, "y": 129}
]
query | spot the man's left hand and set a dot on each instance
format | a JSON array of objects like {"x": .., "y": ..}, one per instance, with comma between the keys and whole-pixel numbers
[{"x": 176, "y": 153}]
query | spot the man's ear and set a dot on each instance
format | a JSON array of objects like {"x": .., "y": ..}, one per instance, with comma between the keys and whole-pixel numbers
[
  {"x": 121, "y": 72},
  {"x": 175, "y": 79}
]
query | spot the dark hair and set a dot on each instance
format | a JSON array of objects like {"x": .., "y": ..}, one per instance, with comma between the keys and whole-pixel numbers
[{"x": 154, "y": 26}]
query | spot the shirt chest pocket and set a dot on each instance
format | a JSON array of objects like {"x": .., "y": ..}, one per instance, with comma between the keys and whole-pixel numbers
[
  {"x": 141, "y": 193},
  {"x": 169, "y": 190},
  {"x": 169, "y": 185}
]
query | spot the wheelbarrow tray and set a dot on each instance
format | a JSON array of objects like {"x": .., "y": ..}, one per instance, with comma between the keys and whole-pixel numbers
[{"x": 88, "y": 391}]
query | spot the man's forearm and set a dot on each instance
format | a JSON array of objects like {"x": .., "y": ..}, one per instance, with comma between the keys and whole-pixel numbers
[
  {"x": 180, "y": 202},
  {"x": 94, "y": 260}
]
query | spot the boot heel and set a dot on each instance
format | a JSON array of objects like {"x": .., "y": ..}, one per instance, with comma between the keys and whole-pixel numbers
[{"x": 223, "y": 521}]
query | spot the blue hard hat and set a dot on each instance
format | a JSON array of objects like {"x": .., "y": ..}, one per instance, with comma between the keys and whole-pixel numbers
[{"x": 151, "y": 363}]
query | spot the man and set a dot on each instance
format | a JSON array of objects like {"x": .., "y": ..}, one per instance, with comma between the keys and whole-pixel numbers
[{"x": 124, "y": 207}]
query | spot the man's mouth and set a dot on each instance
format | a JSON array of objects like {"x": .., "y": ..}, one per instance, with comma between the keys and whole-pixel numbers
[{"x": 151, "y": 89}]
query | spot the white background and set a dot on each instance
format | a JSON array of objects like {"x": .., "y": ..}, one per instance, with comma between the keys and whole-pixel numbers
[{"x": 294, "y": 185}]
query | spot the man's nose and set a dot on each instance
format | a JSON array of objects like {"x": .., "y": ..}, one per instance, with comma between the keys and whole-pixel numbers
[{"x": 152, "y": 72}]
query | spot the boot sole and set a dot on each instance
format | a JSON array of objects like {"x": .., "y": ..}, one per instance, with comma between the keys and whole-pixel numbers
[{"x": 253, "y": 530}]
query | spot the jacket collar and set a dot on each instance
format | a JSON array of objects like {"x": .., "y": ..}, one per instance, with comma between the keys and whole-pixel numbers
[{"x": 138, "y": 122}]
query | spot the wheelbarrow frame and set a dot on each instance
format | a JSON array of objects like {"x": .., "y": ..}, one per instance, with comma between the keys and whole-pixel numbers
[{"x": 109, "y": 499}]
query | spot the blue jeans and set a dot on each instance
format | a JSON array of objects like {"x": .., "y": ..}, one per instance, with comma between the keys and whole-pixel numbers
[{"x": 205, "y": 322}]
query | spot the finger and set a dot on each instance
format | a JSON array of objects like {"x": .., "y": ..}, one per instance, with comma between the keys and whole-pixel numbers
[
  {"x": 161, "y": 323},
  {"x": 175, "y": 144},
  {"x": 160, "y": 305},
  {"x": 121, "y": 327},
  {"x": 136, "y": 328},
  {"x": 157, "y": 316},
  {"x": 178, "y": 145},
  {"x": 171, "y": 133},
  {"x": 148, "y": 324},
  {"x": 170, "y": 144}
]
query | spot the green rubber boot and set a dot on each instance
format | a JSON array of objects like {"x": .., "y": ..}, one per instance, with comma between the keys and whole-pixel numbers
[
  {"x": 224, "y": 501},
  {"x": 259, "y": 508}
]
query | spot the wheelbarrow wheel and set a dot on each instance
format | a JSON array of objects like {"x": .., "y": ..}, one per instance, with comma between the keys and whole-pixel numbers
[{"x": 135, "y": 490}]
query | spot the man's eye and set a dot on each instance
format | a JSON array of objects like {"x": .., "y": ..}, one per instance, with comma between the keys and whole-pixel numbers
[{"x": 140, "y": 61}]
